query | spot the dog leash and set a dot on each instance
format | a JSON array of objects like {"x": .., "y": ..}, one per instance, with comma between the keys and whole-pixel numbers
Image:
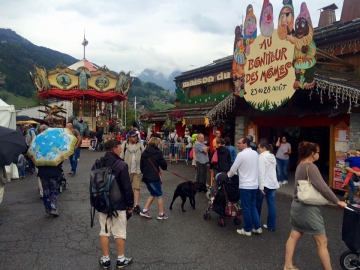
[{"x": 187, "y": 180}]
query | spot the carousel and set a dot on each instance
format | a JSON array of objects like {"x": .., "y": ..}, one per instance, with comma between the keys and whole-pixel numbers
[{"x": 95, "y": 92}]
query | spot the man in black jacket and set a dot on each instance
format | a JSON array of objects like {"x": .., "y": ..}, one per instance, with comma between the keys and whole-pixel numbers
[{"x": 117, "y": 225}]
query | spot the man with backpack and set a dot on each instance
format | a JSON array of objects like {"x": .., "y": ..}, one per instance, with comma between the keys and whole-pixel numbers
[
  {"x": 172, "y": 138},
  {"x": 114, "y": 220},
  {"x": 131, "y": 152}
]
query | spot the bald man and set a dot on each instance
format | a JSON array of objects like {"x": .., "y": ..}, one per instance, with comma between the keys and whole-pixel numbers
[{"x": 74, "y": 157}]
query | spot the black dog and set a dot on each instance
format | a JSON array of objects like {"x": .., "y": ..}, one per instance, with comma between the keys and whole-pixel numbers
[{"x": 188, "y": 189}]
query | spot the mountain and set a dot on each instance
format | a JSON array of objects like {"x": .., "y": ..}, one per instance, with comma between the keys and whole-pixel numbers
[
  {"x": 18, "y": 56},
  {"x": 149, "y": 75}
]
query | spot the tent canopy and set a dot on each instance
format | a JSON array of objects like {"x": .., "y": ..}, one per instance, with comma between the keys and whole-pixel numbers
[{"x": 7, "y": 115}]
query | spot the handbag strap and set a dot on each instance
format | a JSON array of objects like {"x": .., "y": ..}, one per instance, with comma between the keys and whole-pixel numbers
[
  {"x": 153, "y": 165},
  {"x": 307, "y": 174}
]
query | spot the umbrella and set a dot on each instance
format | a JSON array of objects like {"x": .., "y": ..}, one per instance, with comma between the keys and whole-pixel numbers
[
  {"x": 28, "y": 122},
  {"x": 52, "y": 146},
  {"x": 12, "y": 144},
  {"x": 22, "y": 118}
]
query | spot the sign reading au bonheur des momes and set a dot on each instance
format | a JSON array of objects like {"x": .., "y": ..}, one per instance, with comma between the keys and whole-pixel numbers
[{"x": 269, "y": 74}]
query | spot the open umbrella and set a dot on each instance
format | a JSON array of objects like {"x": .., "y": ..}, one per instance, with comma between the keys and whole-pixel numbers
[
  {"x": 12, "y": 144},
  {"x": 28, "y": 122},
  {"x": 52, "y": 146},
  {"x": 22, "y": 118}
]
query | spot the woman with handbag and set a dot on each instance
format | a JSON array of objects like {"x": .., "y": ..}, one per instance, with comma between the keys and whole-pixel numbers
[
  {"x": 220, "y": 158},
  {"x": 151, "y": 160},
  {"x": 304, "y": 217}
]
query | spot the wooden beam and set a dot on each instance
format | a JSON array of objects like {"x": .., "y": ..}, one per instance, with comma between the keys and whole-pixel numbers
[{"x": 334, "y": 58}]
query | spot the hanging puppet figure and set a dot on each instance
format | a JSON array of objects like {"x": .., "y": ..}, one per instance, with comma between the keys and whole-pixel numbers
[
  {"x": 239, "y": 62},
  {"x": 286, "y": 20},
  {"x": 267, "y": 19},
  {"x": 250, "y": 28},
  {"x": 305, "y": 50}
]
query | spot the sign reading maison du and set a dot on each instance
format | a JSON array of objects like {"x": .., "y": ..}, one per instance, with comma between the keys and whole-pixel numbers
[
  {"x": 209, "y": 79},
  {"x": 269, "y": 74}
]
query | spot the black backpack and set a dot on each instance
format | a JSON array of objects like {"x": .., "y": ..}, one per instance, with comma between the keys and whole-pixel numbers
[
  {"x": 172, "y": 139},
  {"x": 186, "y": 142},
  {"x": 105, "y": 193}
]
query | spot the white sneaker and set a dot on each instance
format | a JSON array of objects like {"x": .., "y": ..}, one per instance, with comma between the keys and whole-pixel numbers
[
  {"x": 242, "y": 232},
  {"x": 258, "y": 231},
  {"x": 265, "y": 226},
  {"x": 280, "y": 184},
  {"x": 285, "y": 182}
]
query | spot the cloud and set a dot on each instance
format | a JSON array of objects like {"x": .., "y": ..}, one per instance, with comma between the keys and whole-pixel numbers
[{"x": 133, "y": 35}]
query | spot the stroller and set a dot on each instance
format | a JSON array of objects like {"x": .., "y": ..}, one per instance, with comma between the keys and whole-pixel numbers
[
  {"x": 224, "y": 199},
  {"x": 63, "y": 183},
  {"x": 350, "y": 260}
]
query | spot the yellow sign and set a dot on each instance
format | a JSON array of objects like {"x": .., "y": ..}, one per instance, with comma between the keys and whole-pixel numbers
[{"x": 269, "y": 74}]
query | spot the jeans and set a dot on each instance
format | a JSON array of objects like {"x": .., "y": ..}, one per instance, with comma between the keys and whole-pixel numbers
[
  {"x": 351, "y": 191},
  {"x": 250, "y": 214},
  {"x": 21, "y": 172},
  {"x": 74, "y": 159},
  {"x": 270, "y": 200},
  {"x": 98, "y": 145},
  {"x": 51, "y": 191},
  {"x": 282, "y": 169},
  {"x": 93, "y": 143}
]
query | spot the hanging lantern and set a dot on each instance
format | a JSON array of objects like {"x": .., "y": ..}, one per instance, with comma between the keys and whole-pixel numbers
[{"x": 176, "y": 102}]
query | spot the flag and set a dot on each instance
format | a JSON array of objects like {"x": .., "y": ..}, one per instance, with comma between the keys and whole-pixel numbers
[{"x": 85, "y": 42}]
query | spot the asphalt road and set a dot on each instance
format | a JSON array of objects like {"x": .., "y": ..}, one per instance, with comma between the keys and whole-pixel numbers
[{"x": 28, "y": 240}]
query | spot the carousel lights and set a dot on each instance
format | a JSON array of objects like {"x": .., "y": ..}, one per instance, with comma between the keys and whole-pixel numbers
[
  {"x": 352, "y": 45},
  {"x": 220, "y": 110}
]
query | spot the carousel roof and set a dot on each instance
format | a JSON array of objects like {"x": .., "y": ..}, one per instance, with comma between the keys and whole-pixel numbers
[{"x": 83, "y": 63}]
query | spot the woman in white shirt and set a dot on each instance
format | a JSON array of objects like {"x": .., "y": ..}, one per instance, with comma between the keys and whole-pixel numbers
[{"x": 268, "y": 184}]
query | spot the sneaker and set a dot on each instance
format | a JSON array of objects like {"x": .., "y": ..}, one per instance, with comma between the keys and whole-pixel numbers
[
  {"x": 125, "y": 263},
  {"x": 47, "y": 215},
  {"x": 145, "y": 214},
  {"x": 242, "y": 232},
  {"x": 280, "y": 184},
  {"x": 54, "y": 213},
  {"x": 162, "y": 216},
  {"x": 266, "y": 227},
  {"x": 105, "y": 264},
  {"x": 285, "y": 182},
  {"x": 258, "y": 231},
  {"x": 137, "y": 209}
]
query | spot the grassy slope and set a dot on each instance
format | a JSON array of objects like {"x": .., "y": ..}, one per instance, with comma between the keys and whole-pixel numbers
[
  {"x": 18, "y": 101},
  {"x": 161, "y": 106}
]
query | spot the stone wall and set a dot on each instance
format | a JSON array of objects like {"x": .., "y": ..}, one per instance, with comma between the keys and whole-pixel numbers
[
  {"x": 354, "y": 140},
  {"x": 240, "y": 127}
]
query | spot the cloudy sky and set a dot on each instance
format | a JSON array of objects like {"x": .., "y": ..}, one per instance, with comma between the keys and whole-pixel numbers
[{"x": 134, "y": 35}]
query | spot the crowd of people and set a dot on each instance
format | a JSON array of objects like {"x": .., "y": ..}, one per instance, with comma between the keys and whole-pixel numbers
[{"x": 139, "y": 158}]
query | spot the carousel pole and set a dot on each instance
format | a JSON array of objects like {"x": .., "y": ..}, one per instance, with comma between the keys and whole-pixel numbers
[{"x": 125, "y": 113}]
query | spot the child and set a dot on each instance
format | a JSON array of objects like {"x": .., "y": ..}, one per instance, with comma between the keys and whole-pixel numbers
[
  {"x": 21, "y": 166},
  {"x": 352, "y": 162}
]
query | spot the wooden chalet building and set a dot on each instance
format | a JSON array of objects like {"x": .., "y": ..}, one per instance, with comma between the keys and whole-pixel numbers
[{"x": 328, "y": 114}]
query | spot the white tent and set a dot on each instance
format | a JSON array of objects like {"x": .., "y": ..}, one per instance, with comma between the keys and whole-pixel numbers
[
  {"x": 7, "y": 115},
  {"x": 8, "y": 119}
]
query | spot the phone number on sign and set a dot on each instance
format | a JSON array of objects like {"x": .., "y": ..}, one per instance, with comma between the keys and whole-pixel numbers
[{"x": 267, "y": 90}]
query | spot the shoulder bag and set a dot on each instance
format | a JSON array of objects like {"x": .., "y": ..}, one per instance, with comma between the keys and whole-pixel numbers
[{"x": 307, "y": 194}]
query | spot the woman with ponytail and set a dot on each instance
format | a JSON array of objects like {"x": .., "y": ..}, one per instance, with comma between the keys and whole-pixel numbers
[{"x": 307, "y": 218}]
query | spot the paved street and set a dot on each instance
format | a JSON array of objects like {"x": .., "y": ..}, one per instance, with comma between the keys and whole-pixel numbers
[{"x": 28, "y": 240}]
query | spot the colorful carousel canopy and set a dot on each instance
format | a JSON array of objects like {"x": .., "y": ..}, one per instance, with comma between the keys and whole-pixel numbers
[{"x": 82, "y": 80}]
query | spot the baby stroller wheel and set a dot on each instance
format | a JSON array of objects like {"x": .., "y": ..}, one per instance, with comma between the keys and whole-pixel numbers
[
  {"x": 221, "y": 223},
  {"x": 350, "y": 260},
  {"x": 237, "y": 221},
  {"x": 207, "y": 216}
]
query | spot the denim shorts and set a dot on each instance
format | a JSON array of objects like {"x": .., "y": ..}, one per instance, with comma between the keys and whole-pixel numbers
[
  {"x": 154, "y": 188},
  {"x": 173, "y": 150}
]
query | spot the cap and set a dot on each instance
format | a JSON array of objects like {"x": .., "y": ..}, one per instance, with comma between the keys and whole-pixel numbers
[{"x": 132, "y": 133}]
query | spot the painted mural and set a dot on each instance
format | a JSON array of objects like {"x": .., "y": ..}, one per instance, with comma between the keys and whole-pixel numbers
[{"x": 268, "y": 68}]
